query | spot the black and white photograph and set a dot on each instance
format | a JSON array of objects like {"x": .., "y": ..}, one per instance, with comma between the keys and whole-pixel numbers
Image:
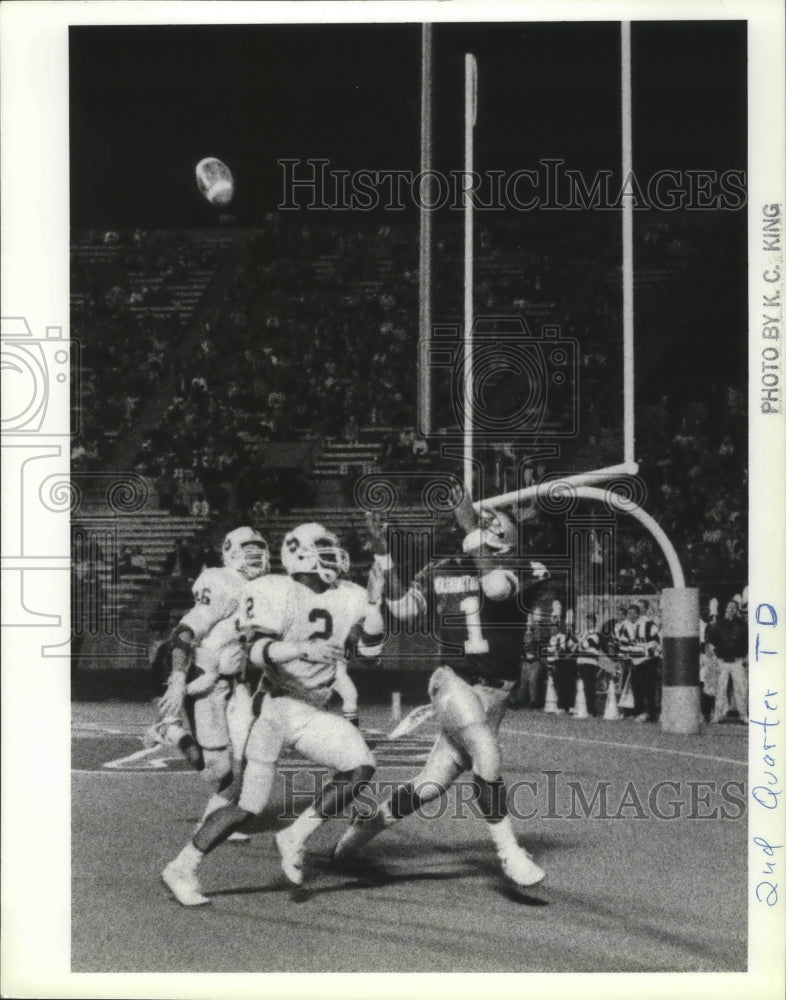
[{"x": 393, "y": 499}]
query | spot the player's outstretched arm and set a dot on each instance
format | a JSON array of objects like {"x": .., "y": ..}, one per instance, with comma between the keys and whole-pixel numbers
[
  {"x": 497, "y": 584},
  {"x": 403, "y": 603},
  {"x": 463, "y": 511},
  {"x": 372, "y": 630}
]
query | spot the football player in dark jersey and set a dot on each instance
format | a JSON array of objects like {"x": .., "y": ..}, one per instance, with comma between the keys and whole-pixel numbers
[{"x": 472, "y": 602}]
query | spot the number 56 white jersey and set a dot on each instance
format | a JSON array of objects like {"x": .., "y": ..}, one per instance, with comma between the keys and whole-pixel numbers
[{"x": 281, "y": 608}]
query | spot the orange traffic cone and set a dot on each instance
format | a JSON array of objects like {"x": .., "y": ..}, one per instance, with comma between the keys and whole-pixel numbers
[
  {"x": 580, "y": 705},
  {"x": 551, "y": 707},
  {"x": 611, "y": 713}
]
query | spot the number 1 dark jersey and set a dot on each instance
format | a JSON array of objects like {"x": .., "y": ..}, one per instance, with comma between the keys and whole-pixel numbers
[{"x": 477, "y": 637}]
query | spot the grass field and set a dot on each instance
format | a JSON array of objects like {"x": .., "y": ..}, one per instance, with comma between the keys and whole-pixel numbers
[{"x": 625, "y": 890}]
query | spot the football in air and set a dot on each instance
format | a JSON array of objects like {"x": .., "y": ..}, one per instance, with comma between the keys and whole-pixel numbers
[{"x": 215, "y": 181}]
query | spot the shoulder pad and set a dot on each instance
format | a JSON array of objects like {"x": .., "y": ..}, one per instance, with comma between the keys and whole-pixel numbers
[{"x": 213, "y": 576}]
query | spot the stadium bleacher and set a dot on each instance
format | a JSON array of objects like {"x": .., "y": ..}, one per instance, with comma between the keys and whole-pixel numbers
[{"x": 206, "y": 346}]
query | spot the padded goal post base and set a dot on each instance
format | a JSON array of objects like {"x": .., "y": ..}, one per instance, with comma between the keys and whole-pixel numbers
[
  {"x": 680, "y": 699},
  {"x": 680, "y": 709}
]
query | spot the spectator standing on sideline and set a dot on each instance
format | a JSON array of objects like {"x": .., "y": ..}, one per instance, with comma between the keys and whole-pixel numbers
[
  {"x": 587, "y": 659},
  {"x": 531, "y": 688},
  {"x": 649, "y": 632},
  {"x": 562, "y": 668},
  {"x": 728, "y": 639},
  {"x": 638, "y": 640},
  {"x": 708, "y": 670}
]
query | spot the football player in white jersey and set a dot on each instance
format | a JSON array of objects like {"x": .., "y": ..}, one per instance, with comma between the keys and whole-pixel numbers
[
  {"x": 296, "y": 628},
  {"x": 208, "y": 662}
]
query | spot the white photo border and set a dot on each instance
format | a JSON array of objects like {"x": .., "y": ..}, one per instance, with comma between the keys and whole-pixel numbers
[{"x": 35, "y": 284}]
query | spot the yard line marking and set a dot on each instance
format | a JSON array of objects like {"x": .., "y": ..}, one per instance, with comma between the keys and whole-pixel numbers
[
  {"x": 139, "y": 756},
  {"x": 626, "y": 746}
]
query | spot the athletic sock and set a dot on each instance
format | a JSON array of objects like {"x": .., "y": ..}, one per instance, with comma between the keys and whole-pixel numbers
[
  {"x": 189, "y": 858},
  {"x": 308, "y": 822},
  {"x": 503, "y": 836}
]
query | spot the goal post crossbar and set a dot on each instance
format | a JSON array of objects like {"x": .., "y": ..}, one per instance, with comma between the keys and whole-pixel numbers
[
  {"x": 607, "y": 496},
  {"x": 576, "y": 479}
]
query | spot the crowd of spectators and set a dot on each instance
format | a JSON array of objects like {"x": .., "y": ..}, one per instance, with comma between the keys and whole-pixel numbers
[
  {"x": 182, "y": 565},
  {"x": 131, "y": 296},
  {"x": 314, "y": 333}
]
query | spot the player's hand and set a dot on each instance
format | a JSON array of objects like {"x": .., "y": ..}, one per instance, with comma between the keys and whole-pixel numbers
[
  {"x": 375, "y": 588},
  {"x": 463, "y": 510},
  {"x": 321, "y": 651},
  {"x": 171, "y": 702},
  {"x": 377, "y": 533}
]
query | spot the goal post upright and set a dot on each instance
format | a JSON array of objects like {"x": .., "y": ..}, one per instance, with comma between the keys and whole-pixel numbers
[
  {"x": 680, "y": 706},
  {"x": 628, "y": 376},
  {"x": 470, "y": 117},
  {"x": 424, "y": 304}
]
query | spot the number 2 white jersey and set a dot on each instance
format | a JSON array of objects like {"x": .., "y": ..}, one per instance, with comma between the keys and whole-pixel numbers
[
  {"x": 217, "y": 592},
  {"x": 281, "y": 608}
]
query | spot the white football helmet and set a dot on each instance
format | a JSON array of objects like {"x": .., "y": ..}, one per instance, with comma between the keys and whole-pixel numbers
[
  {"x": 309, "y": 548},
  {"x": 246, "y": 551},
  {"x": 496, "y": 532}
]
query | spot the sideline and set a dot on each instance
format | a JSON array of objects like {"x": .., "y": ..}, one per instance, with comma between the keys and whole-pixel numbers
[{"x": 625, "y": 746}]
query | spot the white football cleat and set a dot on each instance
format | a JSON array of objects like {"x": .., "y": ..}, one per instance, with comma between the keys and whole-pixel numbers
[
  {"x": 238, "y": 838},
  {"x": 291, "y": 852},
  {"x": 519, "y": 867},
  {"x": 184, "y": 885},
  {"x": 359, "y": 832}
]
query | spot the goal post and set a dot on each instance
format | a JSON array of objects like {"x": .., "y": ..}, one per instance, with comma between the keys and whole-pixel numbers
[
  {"x": 628, "y": 375},
  {"x": 424, "y": 284},
  {"x": 680, "y": 620},
  {"x": 680, "y": 705},
  {"x": 470, "y": 119}
]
